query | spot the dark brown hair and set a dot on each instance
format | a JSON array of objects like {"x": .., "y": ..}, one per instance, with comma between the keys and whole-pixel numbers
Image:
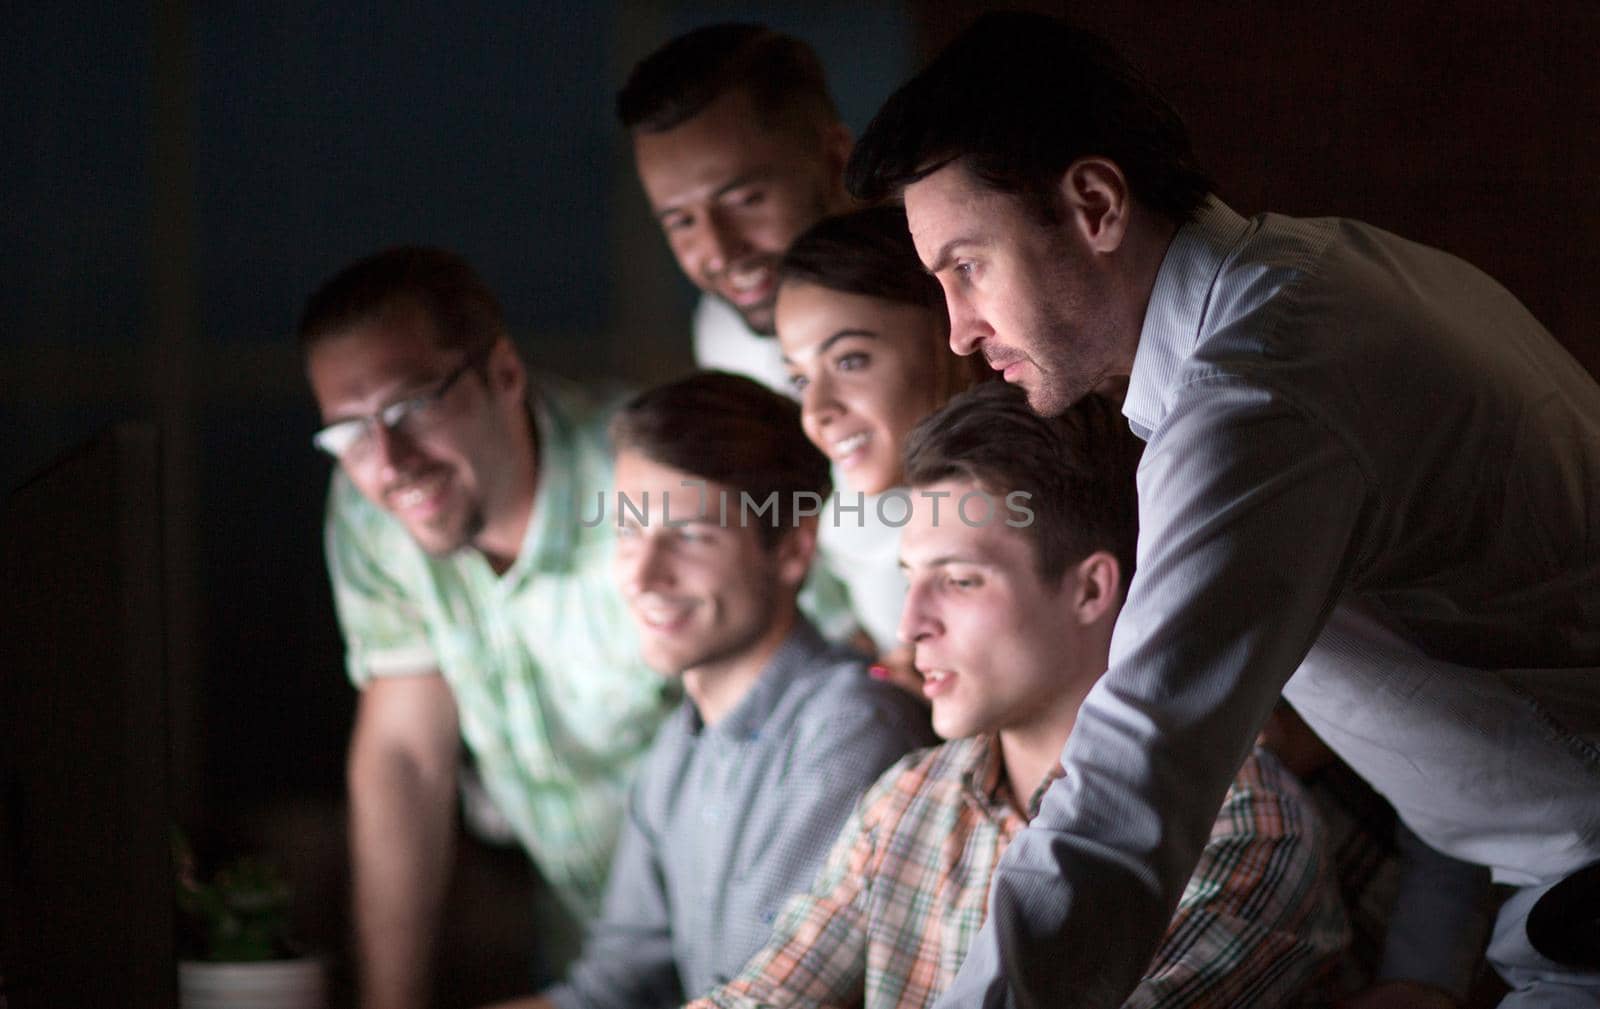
[
  {"x": 464, "y": 312},
  {"x": 1017, "y": 98},
  {"x": 866, "y": 252},
  {"x": 1078, "y": 470},
  {"x": 781, "y": 74},
  {"x": 733, "y": 431}
]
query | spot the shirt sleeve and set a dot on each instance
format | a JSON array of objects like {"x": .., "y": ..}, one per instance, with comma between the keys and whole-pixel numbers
[
  {"x": 1251, "y": 514},
  {"x": 627, "y": 960},
  {"x": 1260, "y": 919},
  {"x": 817, "y": 954},
  {"x": 383, "y": 627}
]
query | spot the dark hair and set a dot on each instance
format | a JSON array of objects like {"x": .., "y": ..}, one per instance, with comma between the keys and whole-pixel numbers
[
  {"x": 407, "y": 278},
  {"x": 733, "y": 431},
  {"x": 1017, "y": 98},
  {"x": 1078, "y": 469},
  {"x": 866, "y": 252},
  {"x": 781, "y": 74}
]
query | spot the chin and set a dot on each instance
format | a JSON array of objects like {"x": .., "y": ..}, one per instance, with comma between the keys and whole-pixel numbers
[
  {"x": 438, "y": 543},
  {"x": 869, "y": 484},
  {"x": 762, "y": 318}
]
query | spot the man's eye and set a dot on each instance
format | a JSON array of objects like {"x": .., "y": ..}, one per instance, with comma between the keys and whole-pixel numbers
[
  {"x": 798, "y": 383},
  {"x": 963, "y": 583},
  {"x": 750, "y": 198},
  {"x": 964, "y": 270},
  {"x": 676, "y": 222},
  {"x": 853, "y": 361}
]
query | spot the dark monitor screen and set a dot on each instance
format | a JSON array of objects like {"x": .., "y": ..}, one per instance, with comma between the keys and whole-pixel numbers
[{"x": 86, "y": 886}]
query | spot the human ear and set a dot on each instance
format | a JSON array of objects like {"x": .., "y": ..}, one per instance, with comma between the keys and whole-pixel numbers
[
  {"x": 1095, "y": 195},
  {"x": 505, "y": 372},
  {"x": 836, "y": 145},
  {"x": 1098, "y": 587},
  {"x": 795, "y": 551}
]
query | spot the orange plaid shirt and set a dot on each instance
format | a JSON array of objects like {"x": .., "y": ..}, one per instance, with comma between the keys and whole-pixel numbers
[{"x": 905, "y": 889}]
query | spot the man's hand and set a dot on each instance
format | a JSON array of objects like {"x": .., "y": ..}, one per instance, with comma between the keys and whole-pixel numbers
[{"x": 402, "y": 783}]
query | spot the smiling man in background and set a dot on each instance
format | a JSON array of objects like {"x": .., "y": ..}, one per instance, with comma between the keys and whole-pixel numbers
[
  {"x": 739, "y": 148},
  {"x": 748, "y": 783}
]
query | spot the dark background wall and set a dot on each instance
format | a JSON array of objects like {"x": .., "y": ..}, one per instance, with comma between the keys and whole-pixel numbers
[{"x": 177, "y": 178}]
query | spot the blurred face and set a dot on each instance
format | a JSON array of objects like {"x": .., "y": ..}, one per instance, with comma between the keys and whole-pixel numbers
[
  {"x": 864, "y": 370},
  {"x": 731, "y": 195},
  {"x": 704, "y": 596},
  {"x": 1032, "y": 298},
  {"x": 450, "y": 471},
  {"x": 996, "y": 646}
]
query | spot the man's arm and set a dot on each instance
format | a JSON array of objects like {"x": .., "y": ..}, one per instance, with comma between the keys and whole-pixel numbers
[
  {"x": 402, "y": 783},
  {"x": 1252, "y": 517},
  {"x": 627, "y": 960},
  {"x": 817, "y": 955},
  {"x": 1260, "y": 920}
]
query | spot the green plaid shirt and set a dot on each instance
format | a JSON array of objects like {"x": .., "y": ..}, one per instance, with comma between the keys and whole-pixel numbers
[
  {"x": 554, "y": 700},
  {"x": 905, "y": 889}
]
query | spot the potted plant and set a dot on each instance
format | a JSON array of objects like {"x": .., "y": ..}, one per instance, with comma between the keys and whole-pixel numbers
[{"x": 237, "y": 945}]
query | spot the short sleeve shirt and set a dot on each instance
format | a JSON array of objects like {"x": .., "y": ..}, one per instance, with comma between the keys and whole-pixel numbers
[{"x": 554, "y": 699}]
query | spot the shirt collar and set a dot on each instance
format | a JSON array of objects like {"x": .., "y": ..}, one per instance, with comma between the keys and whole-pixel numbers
[
  {"x": 1177, "y": 307},
  {"x": 552, "y": 533},
  {"x": 983, "y": 781},
  {"x": 800, "y": 654}
]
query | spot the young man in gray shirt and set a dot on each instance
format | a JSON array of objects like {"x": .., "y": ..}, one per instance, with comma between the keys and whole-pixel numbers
[{"x": 748, "y": 784}]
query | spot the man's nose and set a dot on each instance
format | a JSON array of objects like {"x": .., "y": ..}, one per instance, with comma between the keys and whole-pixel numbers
[
  {"x": 917, "y": 621},
  {"x": 722, "y": 243},
  {"x": 967, "y": 328},
  {"x": 393, "y": 452},
  {"x": 646, "y": 566}
]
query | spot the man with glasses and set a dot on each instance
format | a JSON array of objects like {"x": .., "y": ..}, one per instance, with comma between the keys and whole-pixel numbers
[{"x": 472, "y": 599}]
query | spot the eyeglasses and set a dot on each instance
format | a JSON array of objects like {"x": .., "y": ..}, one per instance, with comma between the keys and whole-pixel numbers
[{"x": 415, "y": 416}]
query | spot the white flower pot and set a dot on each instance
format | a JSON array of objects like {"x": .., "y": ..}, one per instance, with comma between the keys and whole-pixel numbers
[{"x": 270, "y": 984}]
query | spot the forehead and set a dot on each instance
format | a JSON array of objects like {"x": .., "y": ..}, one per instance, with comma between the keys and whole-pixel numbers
[
  {"x": 723, "y": 142},
  {"x": 690, "y": 495},
  {"x": 980, "y": 537},
  {"x": 362, "y": 366},
  {"x": 951, "y": 204},
  {"x": 809, "y": 314}
]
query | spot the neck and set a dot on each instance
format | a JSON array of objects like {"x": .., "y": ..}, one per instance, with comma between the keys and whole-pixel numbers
[
  {"x": 501, "y": 541},
  {"x": 717, "y": 687},
  {"x": 1030, "y": 751}
]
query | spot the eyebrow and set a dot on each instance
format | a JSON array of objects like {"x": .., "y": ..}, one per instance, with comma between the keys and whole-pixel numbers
[
  {"x": 944, "y": 560},
  {"x": 843, "y": 334},
  {"x": 417, "y": 389},
  {"x": 942, "y": 258}
]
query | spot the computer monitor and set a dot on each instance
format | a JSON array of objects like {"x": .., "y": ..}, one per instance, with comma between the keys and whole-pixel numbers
[{"x": 86, "y": 885}]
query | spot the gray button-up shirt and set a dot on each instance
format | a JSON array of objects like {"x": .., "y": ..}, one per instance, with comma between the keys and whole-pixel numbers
[
  {"x": 726, "y": 821},
  {"x": 1368, "y": 463}
]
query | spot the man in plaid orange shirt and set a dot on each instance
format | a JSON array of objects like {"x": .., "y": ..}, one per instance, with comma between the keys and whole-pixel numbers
[{"x": 1011, "y": 604}]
